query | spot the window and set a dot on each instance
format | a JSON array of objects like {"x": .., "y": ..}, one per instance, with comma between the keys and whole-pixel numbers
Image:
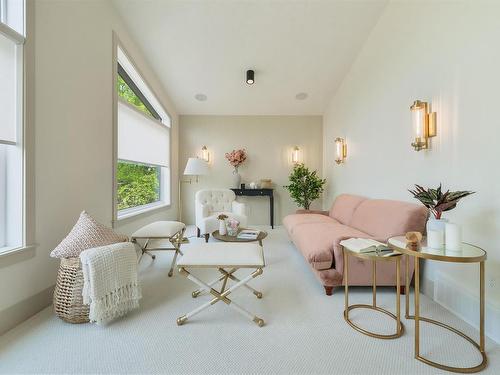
[
  {"x": 143, "y": 152},
  {"x": 11, "y": 124}
]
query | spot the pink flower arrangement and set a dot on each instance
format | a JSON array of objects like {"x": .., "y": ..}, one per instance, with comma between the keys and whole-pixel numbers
[{"x": 236, "y": 157}]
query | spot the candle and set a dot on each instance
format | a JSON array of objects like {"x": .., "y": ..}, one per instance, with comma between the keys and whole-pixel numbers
[
  {"x": 453, "y": 236},
  {"x": 435, "y": 239}
]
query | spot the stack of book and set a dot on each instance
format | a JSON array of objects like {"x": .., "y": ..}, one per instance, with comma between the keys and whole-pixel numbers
[
  {"x": 248, "y": 234},
  {"x": 367, "y": 245}
]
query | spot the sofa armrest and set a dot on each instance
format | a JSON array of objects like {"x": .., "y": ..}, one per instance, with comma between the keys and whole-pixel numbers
[
  {"x": 238, "y": 208},
  {"x": 318, "y": 212}
]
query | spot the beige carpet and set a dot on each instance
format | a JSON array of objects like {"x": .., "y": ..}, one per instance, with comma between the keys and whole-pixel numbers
[{"x": 305, "y": 331}]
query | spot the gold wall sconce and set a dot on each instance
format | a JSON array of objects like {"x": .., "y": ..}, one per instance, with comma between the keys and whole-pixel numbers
[
  {"x": 205, "y": 154},
  {"x": 296, "y": 155},
  {"x": 424, "y": 124},
  {"x": 340, "y": 150}
]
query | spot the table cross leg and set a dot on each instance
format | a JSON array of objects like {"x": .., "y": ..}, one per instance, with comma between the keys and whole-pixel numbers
[
  {"x": 199, "y": 292},
  {"x": 220, "y": 296},
  {"x": 234, "y": 278}
]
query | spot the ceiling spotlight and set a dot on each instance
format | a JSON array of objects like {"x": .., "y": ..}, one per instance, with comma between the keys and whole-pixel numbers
[
  {"x": 301, "y": 96},
  {"x": 200, "y": 97},
  {"x": 250, "y": 77}
]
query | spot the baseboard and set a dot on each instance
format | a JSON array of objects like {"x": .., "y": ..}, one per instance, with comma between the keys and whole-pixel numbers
[
  {"x": 427, "y": 287},
  {"x": 18, "y": 313},
  {"x": 463, "y": 303}
]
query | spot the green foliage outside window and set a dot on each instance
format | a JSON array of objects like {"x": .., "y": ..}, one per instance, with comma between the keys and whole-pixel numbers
[
  {"x": 138, "y": 184},
  {"x": 126, "y": 93}
]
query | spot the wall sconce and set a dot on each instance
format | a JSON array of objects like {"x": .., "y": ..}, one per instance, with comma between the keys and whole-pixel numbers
[
  {"x": 205, "y": 154},
  {"x": 296, "y": 155},
  {"x": 424, "y": 124},
  {"x": 340, "y": 150}
]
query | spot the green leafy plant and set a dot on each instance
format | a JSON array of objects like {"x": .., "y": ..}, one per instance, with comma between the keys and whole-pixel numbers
[
  {"x": 305, "y": 186},
  {"x": 436, "y": 201}
]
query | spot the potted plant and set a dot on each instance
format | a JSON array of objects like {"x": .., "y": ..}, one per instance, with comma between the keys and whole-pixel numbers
[
  {"x": 222, "y": 224},
  {"x": 236, "y": 158},
  {"x": 438, "y": 202},
  {"x": 305, "y": 186}
]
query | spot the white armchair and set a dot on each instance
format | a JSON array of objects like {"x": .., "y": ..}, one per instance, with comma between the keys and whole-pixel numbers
[{"x": 210, "y": 203}]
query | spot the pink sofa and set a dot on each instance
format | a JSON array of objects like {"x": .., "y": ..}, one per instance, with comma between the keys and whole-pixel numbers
[{"x": 317, "y": 235}]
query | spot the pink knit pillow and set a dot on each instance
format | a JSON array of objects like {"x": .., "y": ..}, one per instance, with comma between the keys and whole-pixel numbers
[{"x": 86, "y": 234}]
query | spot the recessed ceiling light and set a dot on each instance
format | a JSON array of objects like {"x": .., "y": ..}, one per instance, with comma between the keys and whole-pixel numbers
[
  {"x": 250, "y": 77},
  {"x": 301, "y": 96},
  {"x": 200, "y": 97}
]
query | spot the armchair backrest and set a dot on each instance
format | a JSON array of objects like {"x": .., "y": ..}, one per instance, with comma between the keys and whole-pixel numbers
[{"x": 215, "y": 200}]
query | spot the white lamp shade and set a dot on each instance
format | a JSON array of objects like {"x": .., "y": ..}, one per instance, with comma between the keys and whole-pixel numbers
[{"x": 196, "y": 167}]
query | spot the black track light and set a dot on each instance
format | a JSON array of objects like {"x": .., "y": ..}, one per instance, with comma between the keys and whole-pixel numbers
[{"x": 250, "y": 77}]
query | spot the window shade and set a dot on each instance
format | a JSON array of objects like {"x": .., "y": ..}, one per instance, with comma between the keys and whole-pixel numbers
[
  {"x": 140, "y": 138},
  {"x": 8, "y": 91}
]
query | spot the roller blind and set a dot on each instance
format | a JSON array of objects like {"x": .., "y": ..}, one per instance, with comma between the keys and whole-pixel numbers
[
  {"x": 141, "y": 138},
  {"x": 8, "y": 90}
]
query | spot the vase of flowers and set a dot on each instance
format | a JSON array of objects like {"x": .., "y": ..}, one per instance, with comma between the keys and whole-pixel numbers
[
  {"x": 232, "y": 227},
  {"x": 437, "y": 202},
  {"x": 222, "y": 224},
  {"x": 236, "y": 158}
]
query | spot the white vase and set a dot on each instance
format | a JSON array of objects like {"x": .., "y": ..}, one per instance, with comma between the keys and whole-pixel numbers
[
  {"x": 222, "y": 227},
  {"x": 453, "y": 237},
  {"x": 236, "y": 179},
  {"x": 435, "y": 232}
]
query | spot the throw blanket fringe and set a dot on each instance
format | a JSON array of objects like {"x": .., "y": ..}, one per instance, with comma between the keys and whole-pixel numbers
[{"x": 110, "y": 281}]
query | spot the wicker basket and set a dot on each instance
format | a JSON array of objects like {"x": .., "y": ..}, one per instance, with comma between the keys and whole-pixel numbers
[{"x": 68, "y": 301}]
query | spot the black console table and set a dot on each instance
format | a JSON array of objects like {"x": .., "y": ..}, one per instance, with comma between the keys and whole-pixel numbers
[{"x": 259, "y": 193}]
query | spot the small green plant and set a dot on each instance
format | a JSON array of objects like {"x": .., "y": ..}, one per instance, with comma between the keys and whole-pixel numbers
[
  {"x": 305, "y": 186},
  {"x": 436, "y": 201}
]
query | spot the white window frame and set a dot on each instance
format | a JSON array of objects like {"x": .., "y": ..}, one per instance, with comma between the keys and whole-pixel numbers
[
  {"x": 19, "y": 40},
  {"x": 166, "y": 172}
]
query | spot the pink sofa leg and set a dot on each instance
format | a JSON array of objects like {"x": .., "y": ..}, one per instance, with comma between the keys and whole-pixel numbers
[
  {"x": 328, "y": 290},
  {"x": 402, "y": 289}
]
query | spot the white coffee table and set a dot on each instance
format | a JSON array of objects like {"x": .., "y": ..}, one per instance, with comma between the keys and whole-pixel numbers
[{"x": 227, "y": 258}]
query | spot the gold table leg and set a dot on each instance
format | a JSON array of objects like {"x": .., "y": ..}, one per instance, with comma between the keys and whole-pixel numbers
[
  {"x": 417, "y": 318},
  {"x": 373, "y": 306}
]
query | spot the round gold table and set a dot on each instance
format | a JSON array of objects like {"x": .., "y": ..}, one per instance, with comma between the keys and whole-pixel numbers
[
  {"x": 374, "y": 258},
  {"x": 227, "y": 238},
  {"x": 466, "y": 254}
]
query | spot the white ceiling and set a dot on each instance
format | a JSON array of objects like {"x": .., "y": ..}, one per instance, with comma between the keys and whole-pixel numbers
[{"x": 205, "y": 47}]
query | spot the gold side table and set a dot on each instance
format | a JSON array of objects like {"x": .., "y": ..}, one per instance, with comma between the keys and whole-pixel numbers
[
  {"x": 467, "y": 254},
  {"x": 374, "y": 258}
]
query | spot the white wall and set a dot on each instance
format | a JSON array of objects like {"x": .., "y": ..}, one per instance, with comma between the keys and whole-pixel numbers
[
  {"x": 446, "y": 53},
  {"x": 72, "y": 96},
  {"x": 268, "y": 141}
]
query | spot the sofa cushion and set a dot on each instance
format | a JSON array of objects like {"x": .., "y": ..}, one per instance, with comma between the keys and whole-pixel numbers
[
  {"x": 383, "y": 218},
  {"x": 291, "y": 221},
  {"x": 318, "y": 241},
  {"x": 344, "y": 206}
]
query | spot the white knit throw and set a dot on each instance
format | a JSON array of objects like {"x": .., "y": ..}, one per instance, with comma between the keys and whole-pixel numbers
[{"x": 110, "y": 283}]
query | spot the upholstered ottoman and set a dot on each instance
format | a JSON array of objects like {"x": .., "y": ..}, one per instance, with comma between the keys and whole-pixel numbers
[
  {"x": 160, "y": 235},
  {"x": 226, "y": 258}
]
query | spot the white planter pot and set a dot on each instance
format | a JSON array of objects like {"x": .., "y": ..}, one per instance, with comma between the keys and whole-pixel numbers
[{"x": 435, "y": 232}]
